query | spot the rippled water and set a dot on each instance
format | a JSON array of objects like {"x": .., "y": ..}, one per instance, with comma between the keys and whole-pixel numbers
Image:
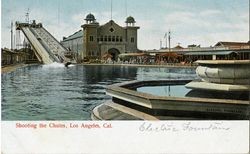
[{"x": 59, "y": 93}]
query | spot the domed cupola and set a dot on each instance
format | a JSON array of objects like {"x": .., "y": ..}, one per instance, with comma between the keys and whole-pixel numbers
[
  {"x": 130, "y": 21},
  {"x": 90, "y": 18}
]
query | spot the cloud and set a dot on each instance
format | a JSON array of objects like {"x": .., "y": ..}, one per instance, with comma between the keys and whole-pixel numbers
[
  {"x": 207, "y": 13},
  {"x": 78, "y": 18},
  {"x": 188, "y": 26},
  {"x": 149, "y": 34},
  {"x": 204, "y": 27},
  {"x": 172, "y": 6},
  {"x": 57, "y": 27},
  {"x": 207, "y": 26}
]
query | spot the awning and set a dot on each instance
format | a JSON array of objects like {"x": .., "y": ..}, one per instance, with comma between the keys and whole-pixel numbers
[
  {"x": 133, "y": 54},
  {"x": 243, "y": 51},
  {"x": 106, "y": 56},
  {"x": 7, "y": 51},
  {"x": 203, "y": 53},
  {"x": 169, "y": 54}
]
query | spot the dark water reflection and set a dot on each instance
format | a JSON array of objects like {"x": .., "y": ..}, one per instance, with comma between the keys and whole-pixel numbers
[{"x": 45, "y": 93}]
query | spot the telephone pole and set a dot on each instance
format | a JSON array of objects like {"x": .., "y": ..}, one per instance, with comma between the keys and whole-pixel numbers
[
  {"x": 169, "y": 37},
  {"x": 166, "y": 37},
  {"x": 160, "y": 44},
  {"x": 126, "y": 7},
  {"x": 111, "y": 8},
  {"x": 27, "y": 16},
  {"x": 11, "y": 36}
]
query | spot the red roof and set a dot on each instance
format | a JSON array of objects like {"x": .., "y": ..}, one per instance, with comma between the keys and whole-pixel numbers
[
  {"x": 178, "y": 47},
  {"x": 232, "y": 43}
]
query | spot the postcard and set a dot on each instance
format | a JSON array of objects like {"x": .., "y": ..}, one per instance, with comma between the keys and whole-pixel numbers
[{"x": 125, "y": 76}]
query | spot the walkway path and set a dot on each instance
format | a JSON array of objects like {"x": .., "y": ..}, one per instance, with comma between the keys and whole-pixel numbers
[{"x": 143, "y": 65}]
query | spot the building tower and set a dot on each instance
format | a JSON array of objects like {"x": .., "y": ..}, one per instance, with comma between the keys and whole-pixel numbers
[
  {"x": 90, "y": 44},
  {"x": 131, "y": 34}
]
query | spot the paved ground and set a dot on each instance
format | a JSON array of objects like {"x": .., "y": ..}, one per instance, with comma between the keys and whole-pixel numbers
[
  {"x": 13, "y": 67},
  {"x": 142, "y": 65}
]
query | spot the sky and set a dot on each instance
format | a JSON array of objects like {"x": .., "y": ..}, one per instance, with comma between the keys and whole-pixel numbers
[{"x": 201, "y": 22}]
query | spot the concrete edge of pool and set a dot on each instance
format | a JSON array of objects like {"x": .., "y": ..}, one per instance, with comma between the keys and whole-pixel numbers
[{"x": 125, "y": 98}]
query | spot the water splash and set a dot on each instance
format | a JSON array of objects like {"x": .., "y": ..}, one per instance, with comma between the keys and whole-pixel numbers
[
  {"x": 71, "y": 65},
  {"x": 54, "y": 65}
]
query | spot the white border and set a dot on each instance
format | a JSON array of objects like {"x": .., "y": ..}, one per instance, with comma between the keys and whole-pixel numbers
[{"x": 127, "y": 137}]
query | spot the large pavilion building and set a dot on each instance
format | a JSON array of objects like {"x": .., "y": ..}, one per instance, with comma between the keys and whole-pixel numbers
[{"x": 95, "y": 40}]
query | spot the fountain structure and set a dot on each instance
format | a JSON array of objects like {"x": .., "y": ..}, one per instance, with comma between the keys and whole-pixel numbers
[
  {"x": 221, "y": 92},
  {"x": 223, "y": 75}
]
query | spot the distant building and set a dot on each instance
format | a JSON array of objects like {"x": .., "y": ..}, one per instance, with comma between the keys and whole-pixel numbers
[
  {"x": 74, "y": 43},
  {"x": 95, "y": 40},
  {"x": 24, "y": 55},
  {"x": 233, "y": 44},
  {"x": 194, "y": 46},
  {"x": 178, "y": 47}
]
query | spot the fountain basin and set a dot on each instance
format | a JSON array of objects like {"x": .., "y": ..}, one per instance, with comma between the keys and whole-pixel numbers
[{"x": 189, "y": 106}]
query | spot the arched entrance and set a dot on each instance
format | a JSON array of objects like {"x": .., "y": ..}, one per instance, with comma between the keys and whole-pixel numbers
[{"x": 114, "y": 52}]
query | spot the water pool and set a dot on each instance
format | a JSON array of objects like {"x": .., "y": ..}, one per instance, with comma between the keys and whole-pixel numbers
[
  {"x": 57, "y": 93},
  {"x": 171, "y": 90}
]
